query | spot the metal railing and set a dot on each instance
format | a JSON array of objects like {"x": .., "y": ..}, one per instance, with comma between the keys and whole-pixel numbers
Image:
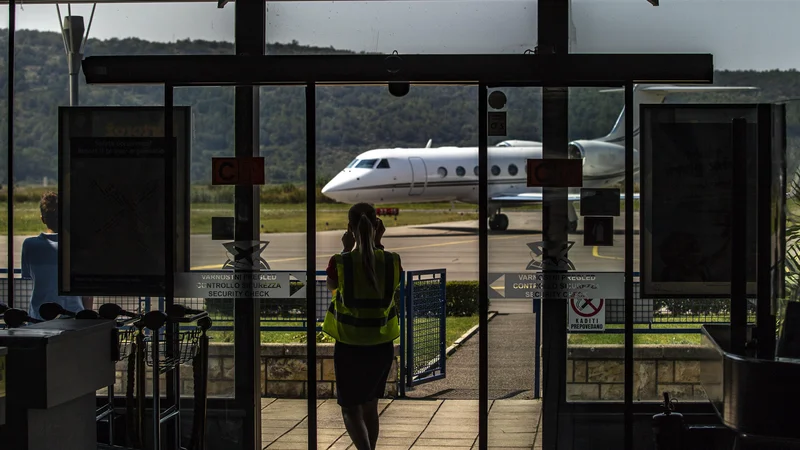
[{"x": 289, "y": 314}]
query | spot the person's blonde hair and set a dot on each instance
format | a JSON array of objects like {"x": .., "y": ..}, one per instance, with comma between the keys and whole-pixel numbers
[{"x": 362, "y": 218}]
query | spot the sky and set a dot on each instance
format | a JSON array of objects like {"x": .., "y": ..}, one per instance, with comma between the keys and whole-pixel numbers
[{"x": 742, "y": 34}]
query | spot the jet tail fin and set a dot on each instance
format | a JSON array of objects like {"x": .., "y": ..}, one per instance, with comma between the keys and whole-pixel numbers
[
  {"x": 647, "y": 94},
  {"x": 430, "y": 141}
]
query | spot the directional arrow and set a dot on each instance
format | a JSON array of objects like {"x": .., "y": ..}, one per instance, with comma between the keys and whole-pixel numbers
[{"x": 494, "y": 277}]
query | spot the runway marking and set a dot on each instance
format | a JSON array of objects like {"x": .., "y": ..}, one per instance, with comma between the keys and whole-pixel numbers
[
  {"x": 440, "y": 244},
  {"x": 596, "y": 254}
]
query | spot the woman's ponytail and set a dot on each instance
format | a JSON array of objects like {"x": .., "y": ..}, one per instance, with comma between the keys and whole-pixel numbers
[{"x": 365, "y": 239}]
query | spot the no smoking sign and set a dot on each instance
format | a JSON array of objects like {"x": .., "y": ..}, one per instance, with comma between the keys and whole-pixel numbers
[{"x": 586, "y": 314}]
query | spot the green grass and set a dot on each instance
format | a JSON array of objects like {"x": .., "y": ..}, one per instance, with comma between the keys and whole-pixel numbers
[
  {"x": 279, "y": 217},
  {"x": 275, "y": 218},
  {"x": 455, "y": 327}
]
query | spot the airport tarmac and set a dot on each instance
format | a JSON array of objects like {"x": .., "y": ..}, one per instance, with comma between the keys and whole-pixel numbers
[{"x": 452, "y": 245}]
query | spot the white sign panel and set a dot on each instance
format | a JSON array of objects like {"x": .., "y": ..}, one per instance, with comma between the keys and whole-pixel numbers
[
  {"x": 257, "y": 285},
  {"x": 579, "y": 285},
  {"x": 586, "y": 314}
]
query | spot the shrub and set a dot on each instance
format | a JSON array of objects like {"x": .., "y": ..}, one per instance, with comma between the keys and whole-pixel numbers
[{"x": 462, "y": 298}]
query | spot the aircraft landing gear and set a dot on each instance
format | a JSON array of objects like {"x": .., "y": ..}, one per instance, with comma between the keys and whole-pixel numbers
[
  {"x": 573, "y": 226},
  {"x": 498, "y": 222}
]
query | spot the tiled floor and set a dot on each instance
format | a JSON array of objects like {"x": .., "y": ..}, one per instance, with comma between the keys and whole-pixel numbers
[{"x": 406, "y": 424}]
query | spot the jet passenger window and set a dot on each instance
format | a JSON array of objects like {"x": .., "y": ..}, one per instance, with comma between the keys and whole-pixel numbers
[
  {"x": 512, "y": 170},
  {"x": 476, "y": 171},
  {"x": 442, "y": 172},
  {"x": 384, "y": 164},
  {"x": 460, "y": 171},
  {"x": 495, "y": 170},
  {"x": 366, "y": 164}
]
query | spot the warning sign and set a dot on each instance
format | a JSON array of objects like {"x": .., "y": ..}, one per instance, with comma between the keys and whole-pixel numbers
[{"x": 587, "y": 314}]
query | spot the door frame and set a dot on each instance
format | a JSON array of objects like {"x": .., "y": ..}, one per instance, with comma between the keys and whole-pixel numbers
[{"x": 548, "y": 71}]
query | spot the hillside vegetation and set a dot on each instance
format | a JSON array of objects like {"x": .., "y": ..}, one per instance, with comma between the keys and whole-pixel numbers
[{"x": 350, "y": 120}]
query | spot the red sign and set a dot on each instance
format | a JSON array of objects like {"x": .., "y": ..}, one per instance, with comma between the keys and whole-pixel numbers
[
  {"x": 555, "y": 173},
  {"x": 587, "y": 307},
  {"x": 242, "y": 171},
  {"x": 387, "y": 211}
]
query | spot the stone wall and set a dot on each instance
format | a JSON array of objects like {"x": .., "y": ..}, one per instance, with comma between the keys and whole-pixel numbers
[
  {"x": 596, "y": 372},
  {"x": 283, "y": 372}
]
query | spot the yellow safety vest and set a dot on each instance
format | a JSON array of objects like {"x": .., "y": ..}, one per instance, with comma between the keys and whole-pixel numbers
[{"x": 358, "y": 314}]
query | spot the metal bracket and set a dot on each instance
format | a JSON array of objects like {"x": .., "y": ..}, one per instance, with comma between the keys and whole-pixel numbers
[{"x": 393, "y": 63}]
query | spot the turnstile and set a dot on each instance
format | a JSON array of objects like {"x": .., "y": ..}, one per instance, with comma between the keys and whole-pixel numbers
[{"x": 53, "y": 372}]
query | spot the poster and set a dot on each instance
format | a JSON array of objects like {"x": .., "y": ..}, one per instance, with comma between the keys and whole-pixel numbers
[
  {"x": 687, "y": 210},
  {"x": 112, "y": 163}
]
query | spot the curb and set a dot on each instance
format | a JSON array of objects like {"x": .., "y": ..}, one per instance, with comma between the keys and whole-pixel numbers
[{"x": 464, "y": 337}]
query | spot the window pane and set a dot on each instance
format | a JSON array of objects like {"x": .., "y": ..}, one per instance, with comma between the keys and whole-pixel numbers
[
  {"x": 410, "y": 27},
  {"x": 366, "y": 164}
]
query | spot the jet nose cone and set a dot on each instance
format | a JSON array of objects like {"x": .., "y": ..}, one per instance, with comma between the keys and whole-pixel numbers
[{"x": 335, "y": 188}]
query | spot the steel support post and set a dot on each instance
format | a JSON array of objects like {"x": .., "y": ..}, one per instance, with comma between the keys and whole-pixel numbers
[
  {"x": 250, "y": 24},
  {"x": 554, "y": 39}
]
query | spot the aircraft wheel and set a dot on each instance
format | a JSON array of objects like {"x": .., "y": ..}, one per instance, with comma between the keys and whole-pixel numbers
[
  {"x": 493, "y": 223},
  {"x": 573, "y": 226},
  {"x": 502, "y": 222}
]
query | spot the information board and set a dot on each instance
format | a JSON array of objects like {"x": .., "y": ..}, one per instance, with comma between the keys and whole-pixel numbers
[
  {"x": 570, "y": 285},
  {"x": 687, "y": 168},
  {"x": 112, "y": 163},
  {"x": 256, "y": 285}
]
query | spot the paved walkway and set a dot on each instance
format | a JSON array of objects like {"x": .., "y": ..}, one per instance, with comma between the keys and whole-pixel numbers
[
  {"x": 511, "y": 364},
  {"x": 406, "y": 424}
]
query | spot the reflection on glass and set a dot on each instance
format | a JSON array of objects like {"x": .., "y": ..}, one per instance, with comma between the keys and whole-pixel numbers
[
  {"x": 515, "y": 223},
  {"x": 595, "y": 369}
]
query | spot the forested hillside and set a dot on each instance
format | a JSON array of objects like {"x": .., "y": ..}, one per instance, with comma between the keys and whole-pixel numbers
[{"x": 350, "y": 119}]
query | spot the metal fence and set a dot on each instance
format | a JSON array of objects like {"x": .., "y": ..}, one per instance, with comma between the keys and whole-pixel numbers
[
  {"x": 289, "y": 314},
  {"x": 276, "y": 314}
]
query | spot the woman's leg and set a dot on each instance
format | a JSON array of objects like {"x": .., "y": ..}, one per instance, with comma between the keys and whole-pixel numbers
[
  {"x": 369, "y": 411},
  {"x": 356, "y": 427}
]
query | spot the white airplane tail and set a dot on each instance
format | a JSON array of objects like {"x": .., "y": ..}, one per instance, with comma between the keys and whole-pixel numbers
[{"x": 647, "y": 94}]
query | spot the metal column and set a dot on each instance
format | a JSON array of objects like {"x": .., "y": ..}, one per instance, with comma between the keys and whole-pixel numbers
[
  {"x": 554, "y": 39},
  {"x": 250, "y": 20}
]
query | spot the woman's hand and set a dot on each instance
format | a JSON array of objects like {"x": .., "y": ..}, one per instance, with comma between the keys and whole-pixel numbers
[
  {"x": 379, "y": 232},
  {"x": 348, "y": 241}
]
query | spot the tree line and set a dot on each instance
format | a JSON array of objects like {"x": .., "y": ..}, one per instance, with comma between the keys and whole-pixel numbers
[{"x": 350, "y": 120}]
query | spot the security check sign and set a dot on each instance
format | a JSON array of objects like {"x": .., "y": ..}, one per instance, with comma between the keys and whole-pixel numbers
[
  {"x": 568, "y": 285},
  {"x": 258, "y": 285}
]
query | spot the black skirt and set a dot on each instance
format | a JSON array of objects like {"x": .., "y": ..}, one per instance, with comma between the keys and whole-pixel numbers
[{"x": 361, "y": 372}]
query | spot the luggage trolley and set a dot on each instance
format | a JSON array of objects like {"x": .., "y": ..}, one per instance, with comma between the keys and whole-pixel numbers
[
  {"x": 138, "y": 339},
  {"x": 190, "y": 343}
]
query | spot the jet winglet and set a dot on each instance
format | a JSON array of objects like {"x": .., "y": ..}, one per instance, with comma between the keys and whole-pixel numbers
[{"x": 430, "y": 141}]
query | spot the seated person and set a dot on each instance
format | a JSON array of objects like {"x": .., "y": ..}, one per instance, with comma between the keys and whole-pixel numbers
[{"x": 40, "y": 263}]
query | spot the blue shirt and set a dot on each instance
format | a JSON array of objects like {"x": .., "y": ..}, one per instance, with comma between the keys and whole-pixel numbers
[{"x": 40, "y": 263}]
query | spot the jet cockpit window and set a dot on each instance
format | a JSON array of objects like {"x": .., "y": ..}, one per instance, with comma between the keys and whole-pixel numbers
[
  {"x": 384, "y": 164},
  {"x": 366, "y": 164},
  {"x": 352, "y": 163},
  {"x": 504, "y": 144}
]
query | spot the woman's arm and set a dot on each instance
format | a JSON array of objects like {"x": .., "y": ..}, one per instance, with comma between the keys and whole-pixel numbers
[
  {"x": 332, "y": 281},
  {"x": 88, "y": 302}
]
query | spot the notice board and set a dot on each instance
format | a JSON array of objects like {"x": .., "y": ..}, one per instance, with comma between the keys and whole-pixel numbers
[
  {"x": 686, "y": 189},
  {"x": 112, "y": 175}
]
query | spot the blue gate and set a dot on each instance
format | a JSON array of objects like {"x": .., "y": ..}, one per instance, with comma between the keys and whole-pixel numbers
[{"x": 423, "y": 327}]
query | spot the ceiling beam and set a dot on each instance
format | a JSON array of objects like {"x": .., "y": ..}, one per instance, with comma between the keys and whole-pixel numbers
[{"x": 546, "y": 70}]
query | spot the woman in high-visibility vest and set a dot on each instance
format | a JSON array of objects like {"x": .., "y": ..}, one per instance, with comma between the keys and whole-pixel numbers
[{"x": 363, "y": 319}]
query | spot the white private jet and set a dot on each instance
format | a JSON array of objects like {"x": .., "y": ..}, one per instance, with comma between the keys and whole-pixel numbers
[{"x": 414, "y": 175}]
